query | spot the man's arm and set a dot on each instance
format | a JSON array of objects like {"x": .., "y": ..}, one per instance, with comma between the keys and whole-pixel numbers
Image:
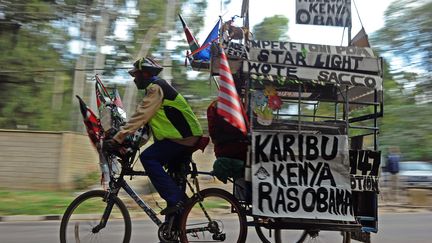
[{"x": 143, "y": 113}]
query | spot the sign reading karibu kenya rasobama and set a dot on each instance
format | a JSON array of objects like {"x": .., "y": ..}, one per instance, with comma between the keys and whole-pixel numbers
[{"x": 301, "y": 176}]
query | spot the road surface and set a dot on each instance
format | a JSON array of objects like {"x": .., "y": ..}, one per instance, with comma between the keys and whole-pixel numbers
[{"x": 393, "y": 228}]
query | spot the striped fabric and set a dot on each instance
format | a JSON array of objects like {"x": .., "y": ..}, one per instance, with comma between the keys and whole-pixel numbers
[{"x": 229, "y": 106}]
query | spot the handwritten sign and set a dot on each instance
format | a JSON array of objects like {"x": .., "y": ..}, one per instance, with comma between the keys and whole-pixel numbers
[
  {"x": 315, "y": 59},
  {"x": 301, "y": 176},
  {"x": 364, "y": 168},
  {"x": 307, "y": 73},
  {"x": 294, "y": 46},
  {"x": 235, "y": 50},
  {"x": 319, "y": 12}
]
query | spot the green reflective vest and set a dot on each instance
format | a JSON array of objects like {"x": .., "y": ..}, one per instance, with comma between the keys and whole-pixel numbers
[{"x": 175, "y": 118}]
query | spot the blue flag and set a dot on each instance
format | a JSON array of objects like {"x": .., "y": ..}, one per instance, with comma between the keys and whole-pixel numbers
[{"x": 203, "y": 53}]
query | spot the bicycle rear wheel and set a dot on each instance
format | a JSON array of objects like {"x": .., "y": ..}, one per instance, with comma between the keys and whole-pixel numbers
[
  {"x": 215, "y": 216},
  {"x": 82, "y": 221}
]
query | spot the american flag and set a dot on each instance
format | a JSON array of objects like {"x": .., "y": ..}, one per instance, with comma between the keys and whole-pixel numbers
[{"x": 229, "y": 105}]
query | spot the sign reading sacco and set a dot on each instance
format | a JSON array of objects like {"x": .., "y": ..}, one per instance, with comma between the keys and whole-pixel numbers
[
  {"x": 324, "y": 12},
  {"x": 301, "y": 176}
]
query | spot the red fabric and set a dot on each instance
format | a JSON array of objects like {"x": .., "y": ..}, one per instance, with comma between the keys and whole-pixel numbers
[
  {"x": 117, "y": 100},
  {"x": 92, "y": 123},
  {"x": 228, "y": 141},
  {"x": 193, "y": 43}
]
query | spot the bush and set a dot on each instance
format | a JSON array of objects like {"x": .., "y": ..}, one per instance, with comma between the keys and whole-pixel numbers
[{"x": 86, "y": 180}]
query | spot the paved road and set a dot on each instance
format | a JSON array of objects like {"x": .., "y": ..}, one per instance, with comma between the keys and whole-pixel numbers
[{"x": 394, "y": 228}]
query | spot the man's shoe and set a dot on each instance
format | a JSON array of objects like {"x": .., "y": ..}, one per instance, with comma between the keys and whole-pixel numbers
[{"x": 173, "y": 209}]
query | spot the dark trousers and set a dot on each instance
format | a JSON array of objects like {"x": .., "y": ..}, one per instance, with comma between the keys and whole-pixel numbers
[{"x": 159, "y": 154}]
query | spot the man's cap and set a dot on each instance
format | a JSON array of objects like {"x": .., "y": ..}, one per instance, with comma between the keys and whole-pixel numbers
[{"x": 146, "y": 64}]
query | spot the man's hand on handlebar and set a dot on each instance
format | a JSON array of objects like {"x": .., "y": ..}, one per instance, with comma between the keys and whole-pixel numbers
[{"x": 111, "y": 146}]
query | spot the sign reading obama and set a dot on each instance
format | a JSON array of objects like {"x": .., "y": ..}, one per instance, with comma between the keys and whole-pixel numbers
[
  {"x": 324, "y": 12},
  {"x": 301, "y": 176}
]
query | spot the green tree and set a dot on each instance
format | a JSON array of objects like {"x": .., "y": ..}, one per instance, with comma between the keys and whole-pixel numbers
[
  {"x": 407, "y": 35},
  {"x": 26, "y": 43},
  {"x": 36, "y": 58},
  {"x": 272, "y": 28}
]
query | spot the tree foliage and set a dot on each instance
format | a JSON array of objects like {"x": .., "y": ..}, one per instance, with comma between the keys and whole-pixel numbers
[
  {"x": 26, "y": 37},
  {"x": 271, "y": 28},
  {"x": 36, "y": 57},
  {"x": 407, "y": 35}
]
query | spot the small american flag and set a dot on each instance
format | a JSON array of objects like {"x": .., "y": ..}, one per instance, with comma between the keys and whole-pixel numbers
[{"x": 229, "y": 105}]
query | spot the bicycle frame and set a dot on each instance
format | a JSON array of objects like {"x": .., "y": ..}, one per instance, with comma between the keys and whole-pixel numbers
[
  {"x": 119, "y": 183},
  {"x": 141, "y": 203}
]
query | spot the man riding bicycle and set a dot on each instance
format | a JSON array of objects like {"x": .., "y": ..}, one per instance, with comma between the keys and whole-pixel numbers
[{"x": 174, "y": 126}]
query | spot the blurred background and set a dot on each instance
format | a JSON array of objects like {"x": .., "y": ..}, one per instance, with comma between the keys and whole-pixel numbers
[{"x": 51, "y": 50}]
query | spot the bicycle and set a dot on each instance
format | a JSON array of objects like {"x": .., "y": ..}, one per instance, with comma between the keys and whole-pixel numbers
[{"x": 204, "y": 215}]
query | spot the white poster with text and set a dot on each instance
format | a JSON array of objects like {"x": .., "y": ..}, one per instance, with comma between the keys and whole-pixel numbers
[
  {"x": 324, "y": 12},
  {"x": 301, "y": 176}
]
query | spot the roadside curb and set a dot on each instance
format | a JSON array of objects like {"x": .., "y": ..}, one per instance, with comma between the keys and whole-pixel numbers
[
  {"x": 403, "y": 209},
  {"x": 18, "y": 218},
  {"x": 54, "y": 217}
]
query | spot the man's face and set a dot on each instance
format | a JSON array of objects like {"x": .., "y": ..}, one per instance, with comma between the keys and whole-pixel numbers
[{"x": 141, "y": 79}]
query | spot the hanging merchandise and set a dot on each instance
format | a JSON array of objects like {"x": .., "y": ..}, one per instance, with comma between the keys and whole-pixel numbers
[{"x": 266, "y": 101}]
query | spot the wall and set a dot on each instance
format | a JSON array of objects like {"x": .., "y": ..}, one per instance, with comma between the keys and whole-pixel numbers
[{"x": 44, "y": 160}]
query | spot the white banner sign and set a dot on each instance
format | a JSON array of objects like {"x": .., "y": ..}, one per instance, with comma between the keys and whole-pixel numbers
[
  {"x": 324, "y": 12},
  {"x": 301, "y": 176},
  {"x": 307, "y": 73},
  {"x": 315, "y": 59},
  {"x": 235, "y": 50},
  {"x": 294, "y": 46}
]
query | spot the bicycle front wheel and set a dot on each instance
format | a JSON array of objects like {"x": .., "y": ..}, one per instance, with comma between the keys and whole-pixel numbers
[
  {"x": 214, "y": 216},
  {"x": 84, "y": 220}
]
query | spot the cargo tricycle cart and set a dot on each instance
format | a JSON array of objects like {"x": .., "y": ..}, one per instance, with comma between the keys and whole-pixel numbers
[{"x": 313, "y": 162}]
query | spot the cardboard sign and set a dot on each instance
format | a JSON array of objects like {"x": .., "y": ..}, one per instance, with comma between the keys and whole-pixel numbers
[
  {"x": 301, "y": 176},
  {"x": 304, "y": 47},
  {"x": 319, "y": 12},
  {"x": 364, "y": 169},
  {"x": 312, "y": 74},
  {"x": 235, "y": 50},
  {"x": 315, "y": 59}
]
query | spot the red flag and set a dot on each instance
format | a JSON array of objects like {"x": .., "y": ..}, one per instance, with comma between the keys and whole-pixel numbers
[
  {"x": 92, "y": 123},
  {"x": 229, "y": 105},
  {"x": 360, "y": 39},
  {"x": 117, "y": 100},
  {"x": 193, "y": 43},
  {"x": 102, "y": 95}
]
